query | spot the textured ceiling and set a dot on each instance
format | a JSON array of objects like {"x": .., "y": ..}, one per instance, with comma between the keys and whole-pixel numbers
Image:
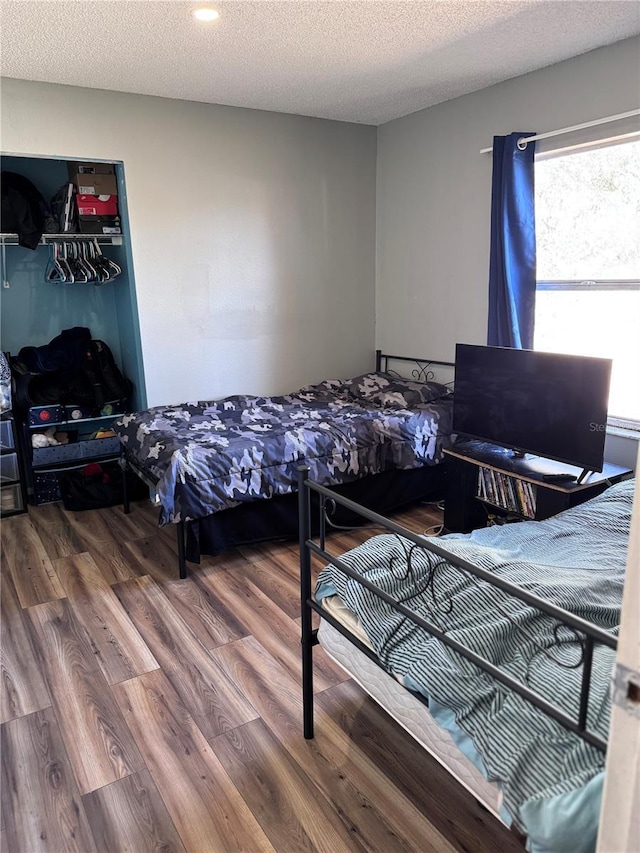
[{"x": 366, "y": 61}]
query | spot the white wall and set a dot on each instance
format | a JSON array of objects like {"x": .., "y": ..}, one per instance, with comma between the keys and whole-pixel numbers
[
  {"x": 434, "y": 197},
  {"x": 253, "y": 233}
]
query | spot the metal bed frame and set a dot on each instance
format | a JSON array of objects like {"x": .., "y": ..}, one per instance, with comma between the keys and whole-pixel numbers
[
  {"x": 422, "y": 371},
  {"x": 586, "y": 633}
]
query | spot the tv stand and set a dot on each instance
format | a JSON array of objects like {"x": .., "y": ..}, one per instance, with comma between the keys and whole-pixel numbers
[{"x": 485, "y": 481}]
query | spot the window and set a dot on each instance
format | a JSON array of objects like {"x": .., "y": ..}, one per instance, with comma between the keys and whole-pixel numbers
[{"x": 588, "y": 262}]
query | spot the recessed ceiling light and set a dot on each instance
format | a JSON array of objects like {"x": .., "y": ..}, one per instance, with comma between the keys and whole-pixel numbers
[{"x": 206, "y": 13}]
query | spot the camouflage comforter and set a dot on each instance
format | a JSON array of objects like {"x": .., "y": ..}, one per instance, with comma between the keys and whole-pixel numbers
[{"x": 210, "y": 456}]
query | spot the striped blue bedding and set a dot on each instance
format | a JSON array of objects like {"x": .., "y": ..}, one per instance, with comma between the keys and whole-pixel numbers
[{"x": 551, "y": 780}]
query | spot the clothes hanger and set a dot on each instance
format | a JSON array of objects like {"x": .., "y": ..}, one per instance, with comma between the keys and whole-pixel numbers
[
  {"x": 80, "y": 274},
  {"x": 101, "y": 274},
  {"x": 53, "y": 271},
  {"x": 80, "y": 262},
  {"x": 114, "y": 269},
  {"x": 92, "y": 271}
]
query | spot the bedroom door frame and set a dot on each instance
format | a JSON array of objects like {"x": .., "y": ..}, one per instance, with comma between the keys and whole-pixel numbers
[{"x": 620, "y": 816}]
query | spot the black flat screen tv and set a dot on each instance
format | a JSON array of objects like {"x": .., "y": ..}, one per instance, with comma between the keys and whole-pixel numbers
[{"x": 546, "y": 404}]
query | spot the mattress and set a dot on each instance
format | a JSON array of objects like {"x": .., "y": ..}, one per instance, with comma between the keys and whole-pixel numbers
[
  {"x": 551, "y": 780},
  {"x": 405, "y": 708}
]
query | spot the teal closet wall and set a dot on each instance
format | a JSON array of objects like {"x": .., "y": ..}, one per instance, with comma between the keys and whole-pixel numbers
[{"x": 33, "y": 311}]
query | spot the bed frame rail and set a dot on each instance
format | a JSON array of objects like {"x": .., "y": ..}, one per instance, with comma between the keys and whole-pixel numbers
[{"x": 586, "y": 633}]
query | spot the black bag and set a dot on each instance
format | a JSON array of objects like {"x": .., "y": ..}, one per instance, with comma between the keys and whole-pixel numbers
[
  {"x": 37, "y": 389},
  {"x": 100, "y": 368},
  {"x": 72, "y": 369},
  {"x": 96, "y": 486}
]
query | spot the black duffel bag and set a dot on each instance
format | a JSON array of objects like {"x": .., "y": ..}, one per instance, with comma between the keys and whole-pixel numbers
[{"x": 97, "y": 486}]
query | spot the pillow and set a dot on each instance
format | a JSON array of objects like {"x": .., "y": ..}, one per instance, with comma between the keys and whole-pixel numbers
[
  {"x": 384, "y": 389},
  {"x": 329, "y": 389}
]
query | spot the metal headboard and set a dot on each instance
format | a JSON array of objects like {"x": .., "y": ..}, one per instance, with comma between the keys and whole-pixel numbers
[{"x": 421, "y": 370}]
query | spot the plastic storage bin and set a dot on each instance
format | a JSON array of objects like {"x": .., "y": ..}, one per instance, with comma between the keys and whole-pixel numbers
[
  {"x": 6, "y": 435},
  {"x": 11, "y": 499},
  {"x": 9, "y": 470}
]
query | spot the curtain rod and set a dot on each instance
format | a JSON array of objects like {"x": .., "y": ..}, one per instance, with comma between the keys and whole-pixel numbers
[{"x": 522, "y": 142}]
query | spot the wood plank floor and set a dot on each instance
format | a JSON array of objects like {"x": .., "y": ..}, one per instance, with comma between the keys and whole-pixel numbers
[{"x": 144, "y": 713}]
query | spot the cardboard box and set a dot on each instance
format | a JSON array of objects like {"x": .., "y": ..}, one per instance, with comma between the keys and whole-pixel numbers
[
  {"x": 97, "y": 205},
  {"x": 100, "y": 225},
  {"x": 95, "y": 184},
  {"x": 76, "y": 167}
]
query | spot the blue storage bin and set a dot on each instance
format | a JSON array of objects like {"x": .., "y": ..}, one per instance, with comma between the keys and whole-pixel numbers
[
  {"x": 45, "y": 415},
  {"x": 77, "y": 450},
  {"x": 46, "y": 488}
]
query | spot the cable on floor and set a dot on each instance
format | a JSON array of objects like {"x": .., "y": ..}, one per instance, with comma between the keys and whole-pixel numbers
[{"x": 434, "y": 530}]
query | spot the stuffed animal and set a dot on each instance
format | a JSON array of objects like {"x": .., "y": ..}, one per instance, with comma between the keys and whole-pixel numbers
[{"x": 49, "y": 438}]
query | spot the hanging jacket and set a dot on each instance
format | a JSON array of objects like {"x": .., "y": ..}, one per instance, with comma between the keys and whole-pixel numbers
[{"x": 24, "y": 210}]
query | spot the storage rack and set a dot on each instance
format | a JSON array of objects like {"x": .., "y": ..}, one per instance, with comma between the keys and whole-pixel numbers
[
  {"x": 103, "y": 239},
  {"x": 482, "y": 475},
  {"x": 45, "y": 464},
  {"x": 508, "y": 493}
]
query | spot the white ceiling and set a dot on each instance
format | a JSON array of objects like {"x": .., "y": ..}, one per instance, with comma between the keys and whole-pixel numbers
[{"x": 368, "y": 62}]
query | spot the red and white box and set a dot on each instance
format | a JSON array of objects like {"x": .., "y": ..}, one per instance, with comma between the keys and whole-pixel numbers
[{"x": 97, "y": 205}]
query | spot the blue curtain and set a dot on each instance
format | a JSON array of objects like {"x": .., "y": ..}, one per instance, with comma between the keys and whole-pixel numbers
[{"x": 512, "y": 270}]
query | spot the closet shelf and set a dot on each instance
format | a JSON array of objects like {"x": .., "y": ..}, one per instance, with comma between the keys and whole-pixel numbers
[{"x": 103, "y": 239}]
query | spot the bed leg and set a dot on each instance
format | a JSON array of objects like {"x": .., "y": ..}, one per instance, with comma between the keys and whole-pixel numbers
[
  {"x": 307, "y": 683},
  {"x": 304, "y": 516},
  {"x": 323, "y": 522},
  {"x": 122, "y": 462},
  {"x": 182, "y": 564}
]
